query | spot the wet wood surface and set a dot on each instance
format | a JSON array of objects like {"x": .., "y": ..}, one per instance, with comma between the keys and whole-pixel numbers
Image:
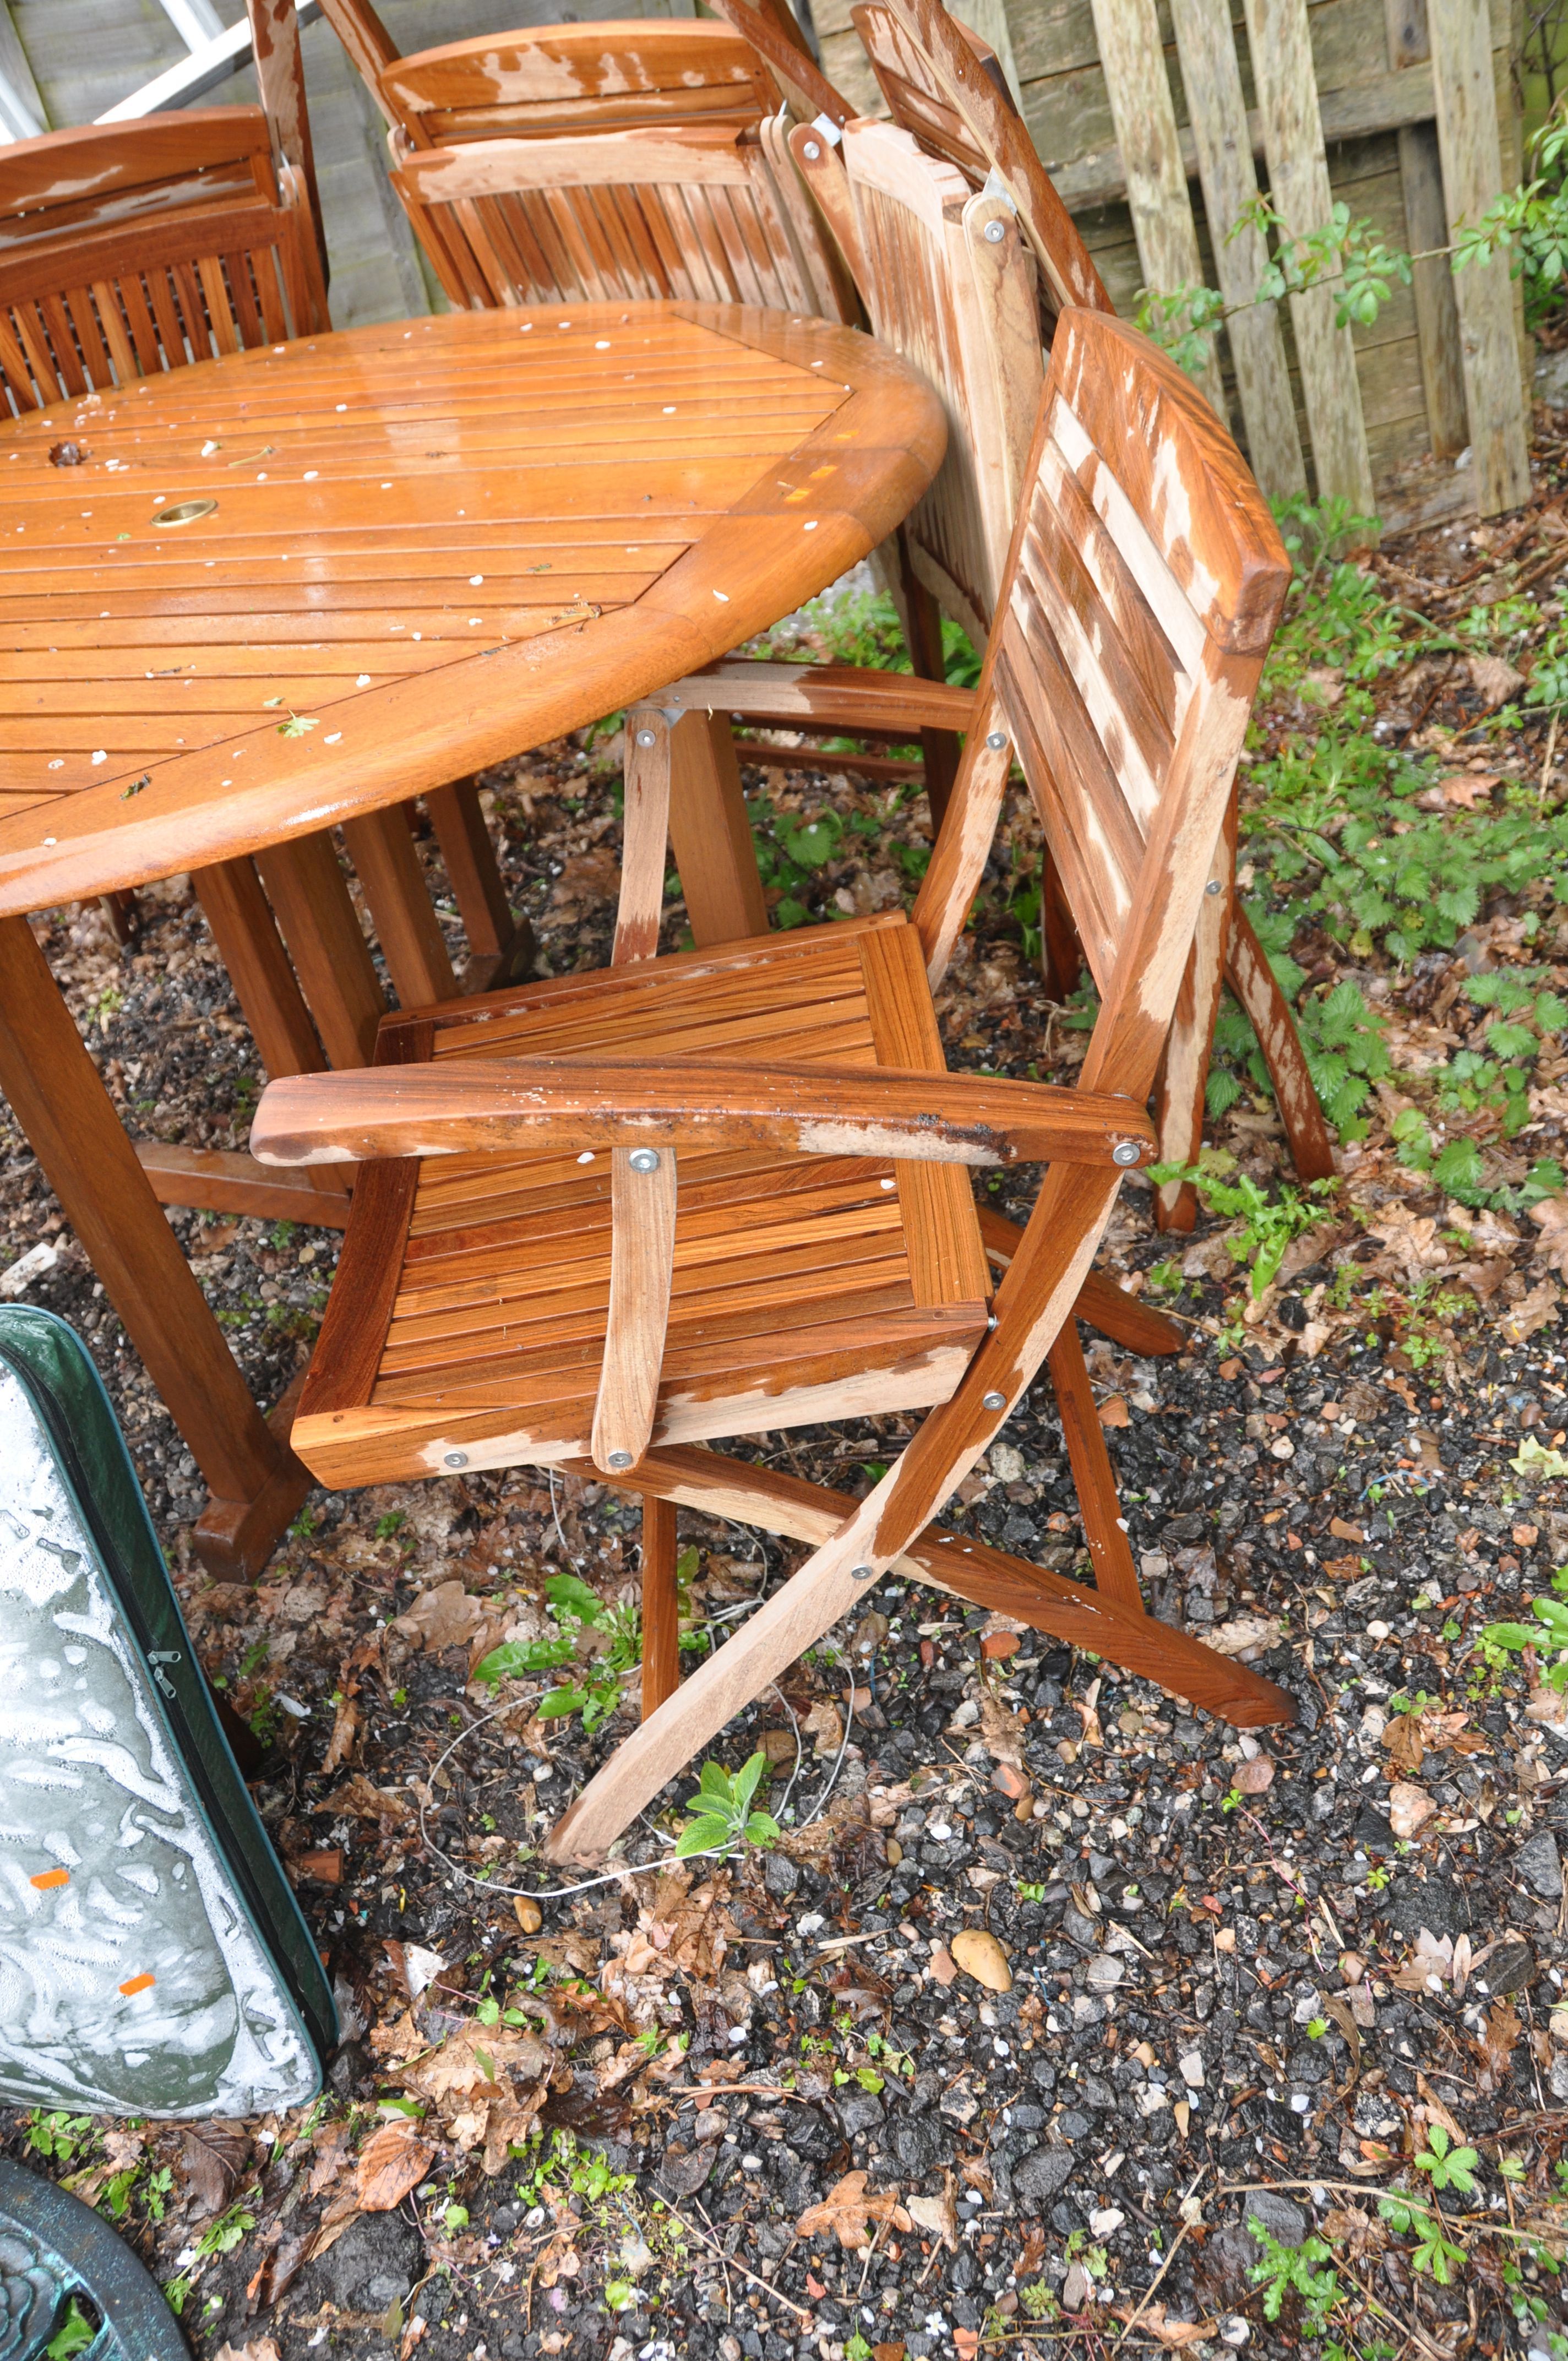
[{"x": 429, "y": 546}]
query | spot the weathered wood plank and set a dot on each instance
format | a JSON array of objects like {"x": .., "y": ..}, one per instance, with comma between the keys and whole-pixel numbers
[
  {"x": 1472, "y": 176},
  {"x": 1145, "y": 118},
  {"x": 1426, "y": 226},
  {"x": 1211, "y": 78},
  {"x": 1299, "y": 185}
]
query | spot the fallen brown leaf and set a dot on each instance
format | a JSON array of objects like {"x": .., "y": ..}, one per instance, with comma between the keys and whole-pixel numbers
[
  {"x": 1496, "y": 2044},
  {"x": 846, "y": 2209},
  {"x": 1550, "y": 1218},
  {"x": 1402, "y": 1740},
  {"x": 1154, "y": 2321},
  {"x": 344, "y": 1730},
  {"x": 392, "y": 2162},
  {"x": 443, "y": 1617},
  {"x": 212, "y": 2158},
  {"x": 938, "y": 2215},
  {"x": 1115, "y": 1412},
  {"x": 260, "y": 2348}
]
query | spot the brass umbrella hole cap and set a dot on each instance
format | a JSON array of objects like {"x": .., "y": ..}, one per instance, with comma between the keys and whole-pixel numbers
[{"x": 184, "y": 512}]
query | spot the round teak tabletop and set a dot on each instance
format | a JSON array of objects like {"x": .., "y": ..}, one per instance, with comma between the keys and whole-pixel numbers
[{"x": 260, "y": 595}]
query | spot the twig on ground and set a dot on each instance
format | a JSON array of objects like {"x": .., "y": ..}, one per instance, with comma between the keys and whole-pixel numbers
[
  {"x": 1148, "y": 2296},
  {"x": 810, "y": 2318}
]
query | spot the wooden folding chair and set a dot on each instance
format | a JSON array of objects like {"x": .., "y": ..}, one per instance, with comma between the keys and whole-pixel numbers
[
  {"x": 690, "y": 212},
  {"x": 567, "y": 87},
  {"x": 524, "y": 1281},
  {"x": 945, "y": 85}
]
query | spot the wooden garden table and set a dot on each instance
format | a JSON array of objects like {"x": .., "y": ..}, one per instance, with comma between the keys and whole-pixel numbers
[{"x": 291, "y": 587}]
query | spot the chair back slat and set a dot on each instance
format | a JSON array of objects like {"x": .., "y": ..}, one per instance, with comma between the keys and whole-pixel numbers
[
  {"x": 688, "y": 212},
  {"x": 959, "y": 303},
  {"x": 1145, "y": 580},
  {"x": 126, "y": 249},
  {"x": 640, "y": 75}
]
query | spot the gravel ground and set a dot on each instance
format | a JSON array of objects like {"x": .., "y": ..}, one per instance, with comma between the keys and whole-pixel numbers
[{"x": 770, "y": 2109}]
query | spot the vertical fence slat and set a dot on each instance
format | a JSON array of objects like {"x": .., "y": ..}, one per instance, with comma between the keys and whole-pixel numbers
[
  {"x": 1426, "y": 226},
  {"x": 1211, "y": 76},
  {"x": 1472, "y": 176},
  {"x": 1127, "y": 33},
  {"x": 1299, "y": 185}
]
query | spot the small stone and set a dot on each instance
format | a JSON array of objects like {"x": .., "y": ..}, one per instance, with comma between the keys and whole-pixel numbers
[
  {"x": 1559, "y": 2024},
  {"x": 1105, "y": 1972},
  {"x": 1409, "y": 1808},
  {"x": 1279, "y": 2216},
  {"x": 1538, "y": 1864},
  {"x": 1010, "y": 1783},
  {"x": 780, "y": 1875},
  {"x": 1076, "y": 2289},
  {"x": 1043, "y": 2174},
  {"x": 1510, "y": 1969},
  {"x": 1254, "y": 1777},
  {"x": 1190, "y": 2065},
  {"x": 529, "y": 1916},
  {"x": 942, "y": 1964},
  {"x": 1351, "y": 1967},
  {"x": 1105, "y": 2221},
  {"x": 893, "y": 1853},
  {"x": 779, "y": 1745},
  {"x": 1000, "y": 1643},
  {"x": 979, "y": 1955}
]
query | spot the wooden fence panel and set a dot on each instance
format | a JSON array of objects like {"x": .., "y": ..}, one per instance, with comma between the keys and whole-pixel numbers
[
  {"x": 1132, "y": 53},
  {"x": 1472, "y": 177},
  {"x": 1426, "y": 221},
  {"x": 1299, "y": 185},
  {"x": 1211, "y": 77}
]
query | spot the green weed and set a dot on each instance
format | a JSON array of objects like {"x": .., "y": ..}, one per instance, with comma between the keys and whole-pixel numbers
[
  {"x": 1269, "y": 1223},
  {"x": 1299, "y": 2272},
  {"x": 725, "y": 1817},
  {"x": 596, "y": 1692}
]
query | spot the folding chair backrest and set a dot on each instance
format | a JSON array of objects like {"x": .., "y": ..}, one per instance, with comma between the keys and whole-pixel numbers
[
  {"x": 948, "y": 283},
  {"x": 1146, "y": 579},
  {"x": 946, "y": 85},
  {"x": 130, "y": 247},
  {"x": 545, "y": 81},
  {"x": 692, "y": 213}
]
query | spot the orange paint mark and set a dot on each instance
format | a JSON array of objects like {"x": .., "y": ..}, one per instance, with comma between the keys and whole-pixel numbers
[
  {"x": 47, "y": 1877},
  {"x": 138, "y": 1983}
]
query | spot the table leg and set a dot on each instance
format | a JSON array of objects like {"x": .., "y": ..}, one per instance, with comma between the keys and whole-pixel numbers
[
  {"x": 382, "y": 850},
  {"x": 501, "y": 946},
  {"x": 59, "y": 1101},
  {"x": 710, "y": 835},
  {"x": 306, "y": 887}
]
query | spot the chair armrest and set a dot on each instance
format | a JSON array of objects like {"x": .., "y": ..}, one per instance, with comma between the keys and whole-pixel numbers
[
  {"x": 484, "y": 1105},
  {"x": 823, "y": 697}
]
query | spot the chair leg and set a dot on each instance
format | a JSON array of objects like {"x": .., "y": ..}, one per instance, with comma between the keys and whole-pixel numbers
[
  {"x": 500, "y": 947},
  {"x": 1104, "y": 1527},
  {"x": 661, "y": 1609},
  {"x": 1252, "y": 980},
  {"x": 710, "y": 834},
  {"x": 1063, "y": 962},
  {"x": 1184, "y": 1072},
  {"x": 939, "y": 748},
  {"x": 798, "y": 1614},
  {"x": 1100, "y": 1302}
]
